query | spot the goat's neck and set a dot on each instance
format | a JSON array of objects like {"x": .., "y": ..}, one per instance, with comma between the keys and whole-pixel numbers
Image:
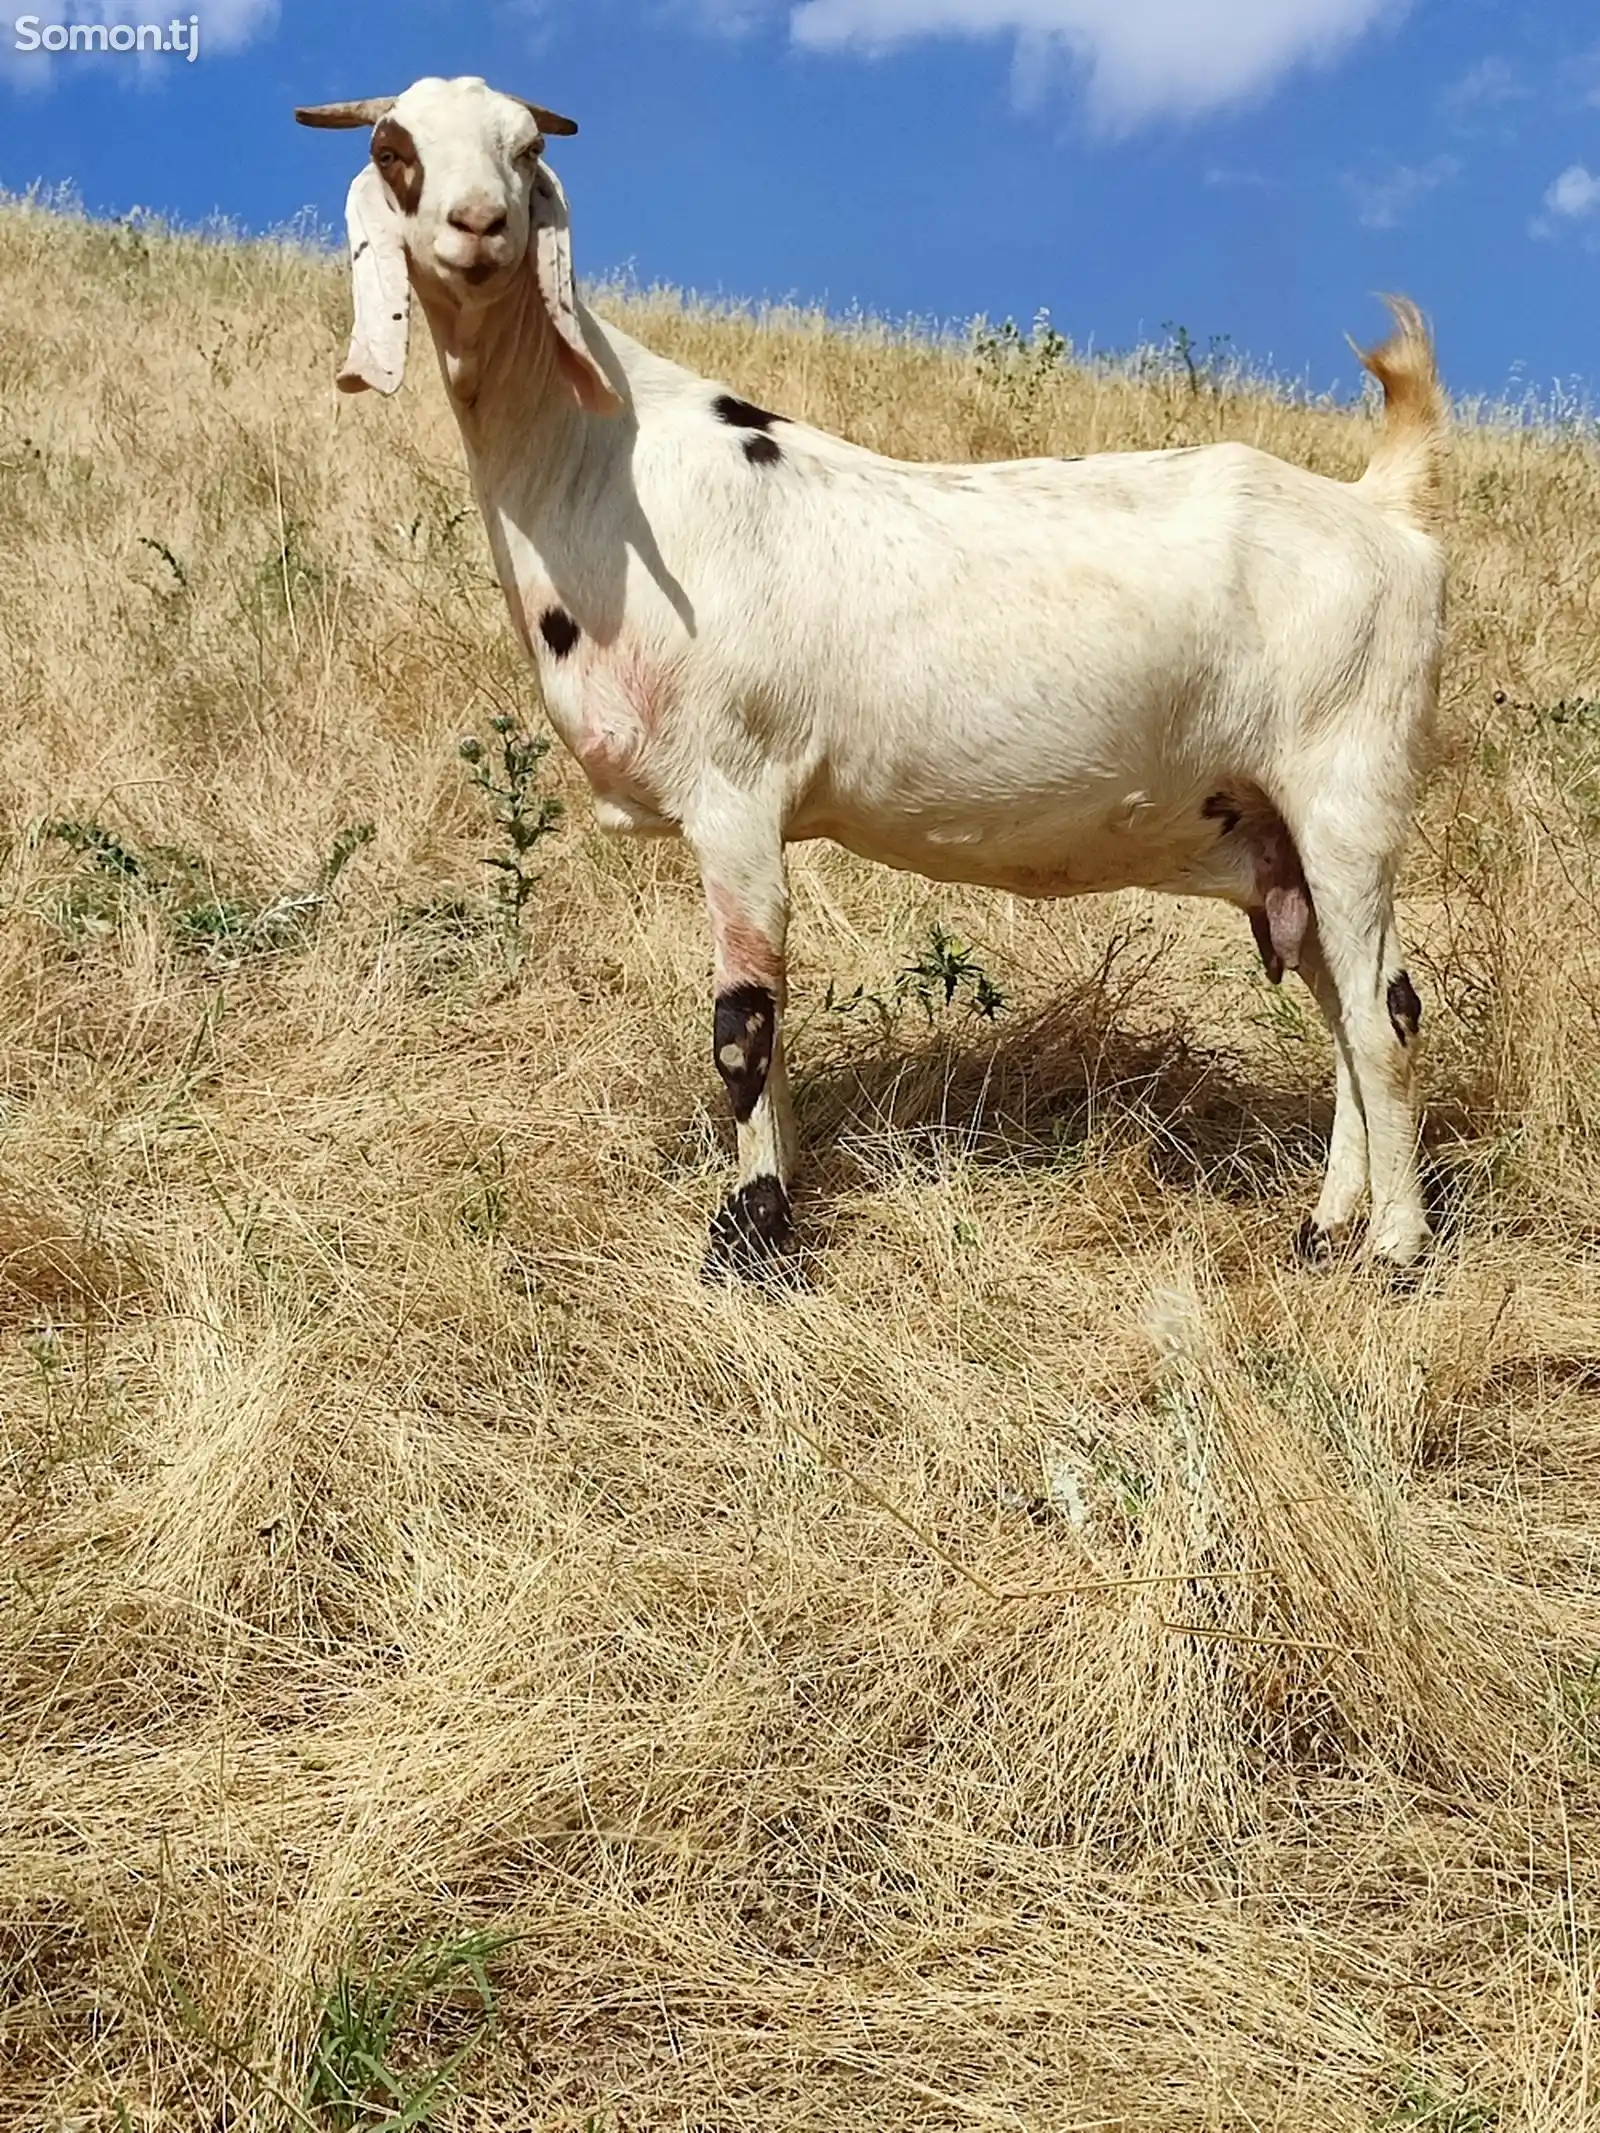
[
  {"x": 556, "y": 485},
  {"x": 525, "y": 435}
]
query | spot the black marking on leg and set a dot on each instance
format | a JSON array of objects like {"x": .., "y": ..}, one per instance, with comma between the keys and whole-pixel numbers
[
  {"x": 1405, "y": 1009},
  {"x": 762, "y": 451},
  {"x": 743, "y": 414},
  {"x": 750, "y": 1232},
  {"x": 1219, "y": 808},
  {"x": 1313, "y": 1245},
  {"x": 744, "y": 1031},
  {"x": 559, "y": 631}
]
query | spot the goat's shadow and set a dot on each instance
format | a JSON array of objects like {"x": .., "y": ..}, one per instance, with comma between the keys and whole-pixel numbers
[
  {"x": 1060, "y": 1088},
  {"x": 1041, "y": 1092}
]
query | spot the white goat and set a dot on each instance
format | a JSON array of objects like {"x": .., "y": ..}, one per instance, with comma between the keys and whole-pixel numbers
[{"x": 1201, "y": 671}]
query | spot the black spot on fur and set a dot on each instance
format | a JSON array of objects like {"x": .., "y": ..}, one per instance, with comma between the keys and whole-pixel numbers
[
  {"x": 1219, "y": 808},
  {"x": 750, "y": 1231},
  {"x": 360, "y": 248},
  {"x": 559, "y": 631},
  {"x": 745, "y": 1030},
  {"x": 762, "y": 451},
  {"x": 742, "y": 414},
  {"x": 1405, "y": 1009}
]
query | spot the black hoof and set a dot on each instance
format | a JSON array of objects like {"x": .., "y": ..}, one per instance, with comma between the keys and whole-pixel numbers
[
  {"x": 751, "y": 1234},
  {"x": 1314, "y": 1245},
  {"x": 1399, "y": 1278}
]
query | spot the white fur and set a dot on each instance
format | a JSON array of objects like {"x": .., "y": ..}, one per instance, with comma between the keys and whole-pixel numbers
[{"x": 1029, "y": 675}]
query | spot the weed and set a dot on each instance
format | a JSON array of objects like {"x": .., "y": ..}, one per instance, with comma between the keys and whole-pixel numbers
[
  {"x": 287, "y": 573},
  {"x": 1006, "y": 351},
  {"x": 222, "y": 924},
  {"x": 1283, "y": 1014},
  {"x": 1581, "y": 711},
  {"x": 948, "y": 967},
  {"x": 484, "y": 1202},
  {"x": 366, "y": 2068},
  {"x": 506, "y": 771},
  {"x": 1214, "y": 371},
  {"x": 160, "y": 548},
  {"x": 1422, "y": 2107},
  {"x": 1020, "y": 366},
  {"x": 946, "y": 970}
]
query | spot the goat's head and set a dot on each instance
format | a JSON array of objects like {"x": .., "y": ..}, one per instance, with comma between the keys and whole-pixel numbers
[{"x": 457, "y": 199}]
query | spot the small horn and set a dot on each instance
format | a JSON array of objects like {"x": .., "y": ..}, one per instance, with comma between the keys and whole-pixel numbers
[
  {"x": 366, "y": 111},
  {"x": 549, "y": 121}
]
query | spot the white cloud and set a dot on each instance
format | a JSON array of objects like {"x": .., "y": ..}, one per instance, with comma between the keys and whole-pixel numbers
[
  {"x": 1142, "y": 58},
  {"x": 1489, "y": 86},
  {"x": 1384, "y": 203},
  {"x": 728, "y": 18},
  {"x": 1575, "y": 194},
  {"x": 230, "y": 23}
]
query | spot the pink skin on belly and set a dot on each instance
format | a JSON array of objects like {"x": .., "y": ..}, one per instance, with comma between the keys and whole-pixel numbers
[{"x": 621, "y": 707}]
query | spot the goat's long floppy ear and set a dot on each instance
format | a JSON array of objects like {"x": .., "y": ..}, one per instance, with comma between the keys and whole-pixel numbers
[
  {"x": 552, "y": 266},
  {"x": 380, "y": 287},
  {"x": 366, "y": 111}
]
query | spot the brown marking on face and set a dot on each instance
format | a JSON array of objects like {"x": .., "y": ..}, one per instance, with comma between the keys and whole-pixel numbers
[
  {"x": 744, "y": 955},
  {"x": 399, "y": 165}
]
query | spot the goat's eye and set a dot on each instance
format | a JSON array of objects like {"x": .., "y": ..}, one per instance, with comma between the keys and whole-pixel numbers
[{"x": 385, "y": 157}]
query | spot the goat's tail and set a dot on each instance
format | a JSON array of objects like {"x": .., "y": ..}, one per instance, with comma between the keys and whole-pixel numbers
[{"x": 1405, "y": 475}]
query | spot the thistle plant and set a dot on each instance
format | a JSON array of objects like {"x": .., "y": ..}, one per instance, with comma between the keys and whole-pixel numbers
[{"x": 505, "y": 769}]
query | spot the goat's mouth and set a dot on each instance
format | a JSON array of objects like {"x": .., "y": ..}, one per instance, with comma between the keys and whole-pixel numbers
[{"x": 480, "y": 271}]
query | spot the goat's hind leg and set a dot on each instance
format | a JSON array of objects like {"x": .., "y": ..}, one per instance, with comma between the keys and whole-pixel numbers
[
  {"x": 1327, "y": 1229},
  {"x": 1379, "y": 1017},
  {"x": 1256, "y": 864}
]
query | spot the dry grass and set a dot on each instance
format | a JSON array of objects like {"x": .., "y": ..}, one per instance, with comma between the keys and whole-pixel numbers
[{"x": 1067, "y": 1668}]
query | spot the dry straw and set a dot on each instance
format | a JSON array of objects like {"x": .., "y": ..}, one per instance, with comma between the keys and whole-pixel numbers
[{"x": 1065, "y": 1667}]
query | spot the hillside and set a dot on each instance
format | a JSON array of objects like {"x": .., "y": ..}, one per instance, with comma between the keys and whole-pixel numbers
[{"x": 1066, "y": 1667}]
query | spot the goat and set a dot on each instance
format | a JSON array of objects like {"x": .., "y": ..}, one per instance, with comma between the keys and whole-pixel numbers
[{"x": 1204, "y": 671}]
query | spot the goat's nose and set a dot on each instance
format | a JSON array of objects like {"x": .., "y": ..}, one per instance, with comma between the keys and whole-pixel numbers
[{"x": 478, "y": 221}]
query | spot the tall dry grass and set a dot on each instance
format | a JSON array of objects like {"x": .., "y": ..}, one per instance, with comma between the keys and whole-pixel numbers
[{"x": 1065, "y": 1668}]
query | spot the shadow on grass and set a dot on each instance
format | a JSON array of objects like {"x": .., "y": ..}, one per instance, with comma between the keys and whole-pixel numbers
[
  {"x": 1067, "y": 1090},
  {"x": 1057, "y": 1090}
]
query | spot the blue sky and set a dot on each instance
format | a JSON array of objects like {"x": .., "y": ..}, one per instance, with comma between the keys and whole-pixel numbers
[{"x": 1249, "y": 168}]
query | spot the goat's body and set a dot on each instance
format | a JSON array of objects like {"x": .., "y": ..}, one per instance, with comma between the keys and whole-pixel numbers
[
  {"x": 1031, "y": 675},
  {"x": 1202, "y": 671}
]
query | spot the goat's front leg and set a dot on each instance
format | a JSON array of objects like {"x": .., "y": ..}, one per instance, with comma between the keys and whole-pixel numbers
[{"x": 741, "y": 864}]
